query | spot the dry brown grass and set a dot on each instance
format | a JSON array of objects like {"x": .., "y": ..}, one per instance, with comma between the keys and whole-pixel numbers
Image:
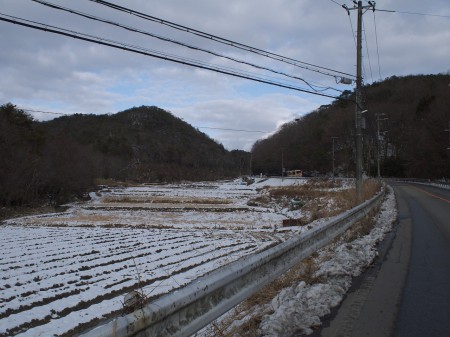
[
  {"x": 248, "y": 329},
  {"x": 159, "y": 200},
  {"x": 318, "y": 198},
  {"x": 361, "y": 228},
  {"x": 303, "y": 271},
  {"x": 306, "y": 269},
  {"x": 87, "y": 218},
  {"x": 370, "y": 188}
]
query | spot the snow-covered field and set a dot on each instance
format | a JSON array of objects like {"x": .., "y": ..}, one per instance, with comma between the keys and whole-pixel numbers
[{"x": 62, "y": 270}]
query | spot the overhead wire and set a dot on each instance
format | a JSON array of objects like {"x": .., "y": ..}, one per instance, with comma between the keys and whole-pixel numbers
[
  {"x": 236, "y": 130},
  {"x": 136, "y": 30},
  {"x": 353, "y": 30},
  {"x": 367, "y": 50},
  {"x": 288, "y": 60},
  {"x": 354, "y": 37},
  {"x": 45, "y": 112},
  {"x": 376, "y": 41},
  {"x": 337, "y": 3},
  {"x": 110, "y": 43},
  {"x": 413, "y": 13},
  {"x": 198, "y": 127},
  {"x": 399, "y": 12},
  {"x": 152, "y": 53}
]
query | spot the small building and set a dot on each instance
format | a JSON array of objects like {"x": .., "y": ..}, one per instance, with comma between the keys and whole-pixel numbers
[{"x": 294, "y": 173}]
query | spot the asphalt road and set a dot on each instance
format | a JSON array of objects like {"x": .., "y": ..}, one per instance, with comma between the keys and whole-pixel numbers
[
  {"x": 425, "y": 306},
  {"x": 408, "y": 293}
]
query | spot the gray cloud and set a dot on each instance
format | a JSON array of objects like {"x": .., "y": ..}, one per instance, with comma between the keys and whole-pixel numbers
[{"x": 48, "y": 72}]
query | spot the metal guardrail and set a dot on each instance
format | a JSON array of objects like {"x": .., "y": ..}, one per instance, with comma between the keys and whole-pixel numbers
[
  {"x": 440, "y": 185},
  {"x": 435, "y": 183},
  {"x": 187, "y": 310}
]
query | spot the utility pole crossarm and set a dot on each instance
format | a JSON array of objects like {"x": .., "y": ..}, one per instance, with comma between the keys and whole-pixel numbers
[{"x": 371, "y": 6}]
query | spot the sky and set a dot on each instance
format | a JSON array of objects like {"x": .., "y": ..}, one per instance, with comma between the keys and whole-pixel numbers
[{"x": 42, "y": 71}]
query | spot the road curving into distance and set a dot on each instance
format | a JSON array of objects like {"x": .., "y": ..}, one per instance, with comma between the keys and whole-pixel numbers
[
  {"x": 425, "y": 306},
  {"x": 408, "y": 293}
]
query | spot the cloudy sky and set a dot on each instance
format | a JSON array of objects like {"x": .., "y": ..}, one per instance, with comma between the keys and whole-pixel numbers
[{"x": 42, "y": 71}]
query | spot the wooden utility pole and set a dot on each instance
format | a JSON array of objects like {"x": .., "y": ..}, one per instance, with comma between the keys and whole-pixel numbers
[
  {"x": 358, "y": 91},
  {"x": 359, "y": 146}
]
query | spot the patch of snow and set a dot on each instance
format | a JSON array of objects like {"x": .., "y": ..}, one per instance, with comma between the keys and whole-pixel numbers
[{"x": 298, "y": 309}]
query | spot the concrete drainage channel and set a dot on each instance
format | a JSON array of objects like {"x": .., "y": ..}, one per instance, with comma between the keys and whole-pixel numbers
[{"x": 187, "y": 310}]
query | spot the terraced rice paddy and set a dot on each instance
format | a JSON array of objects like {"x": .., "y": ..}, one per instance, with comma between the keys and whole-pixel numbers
[{"x": 64, "y": 272}]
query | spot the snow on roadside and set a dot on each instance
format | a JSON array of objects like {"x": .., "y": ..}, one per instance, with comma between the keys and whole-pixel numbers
[{"x": 298, "y": 309}]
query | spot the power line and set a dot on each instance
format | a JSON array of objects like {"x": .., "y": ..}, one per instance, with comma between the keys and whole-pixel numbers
[
  {"x": 376, "y": 40},
  {"x": 367, "y": 49},
  {"x": 351, "y": 26},
  {"x": 413, "y": 13},
  {"x": 136, "y": 30},
  {"x": 337, "y": 3},
  {"x": 291, "y": 61},
  {"x": 237, "y": 130},
  {"x": 45, "y": 112},
  {"x": 353, "y": 33},
  {"x": 198, "y": 127},
  {"x": 152, "y": 53}
]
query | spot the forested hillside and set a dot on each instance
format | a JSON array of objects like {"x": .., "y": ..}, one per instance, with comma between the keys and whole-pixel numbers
[
  {"x": 58, "y": 159},
  {"x": 61, "y": 158},
  {"x": 413, "y": 115}
]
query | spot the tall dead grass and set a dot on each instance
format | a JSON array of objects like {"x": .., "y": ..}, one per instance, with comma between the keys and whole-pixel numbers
[
  {"x": 303, "y": 271},
  {"x": 318, "y": 198},
  {"x": 250, "y": 312},
  {"x": 159, "y": 200}
]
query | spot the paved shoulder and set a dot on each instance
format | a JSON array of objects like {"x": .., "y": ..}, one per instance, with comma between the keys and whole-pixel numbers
[
  {"x": 371, "y": 309},
  {"x": 425, "y": 307},
  {"x": 409, "y": 294}
]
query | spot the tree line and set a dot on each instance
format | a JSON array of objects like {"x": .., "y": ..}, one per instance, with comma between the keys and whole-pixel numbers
[
  {"x": 62, "y": 158},
  {"x": 412, "y": 113}
]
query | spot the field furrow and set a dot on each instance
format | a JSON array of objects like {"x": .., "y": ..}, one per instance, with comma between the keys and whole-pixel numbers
[{"x": 63, "y": 272}]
